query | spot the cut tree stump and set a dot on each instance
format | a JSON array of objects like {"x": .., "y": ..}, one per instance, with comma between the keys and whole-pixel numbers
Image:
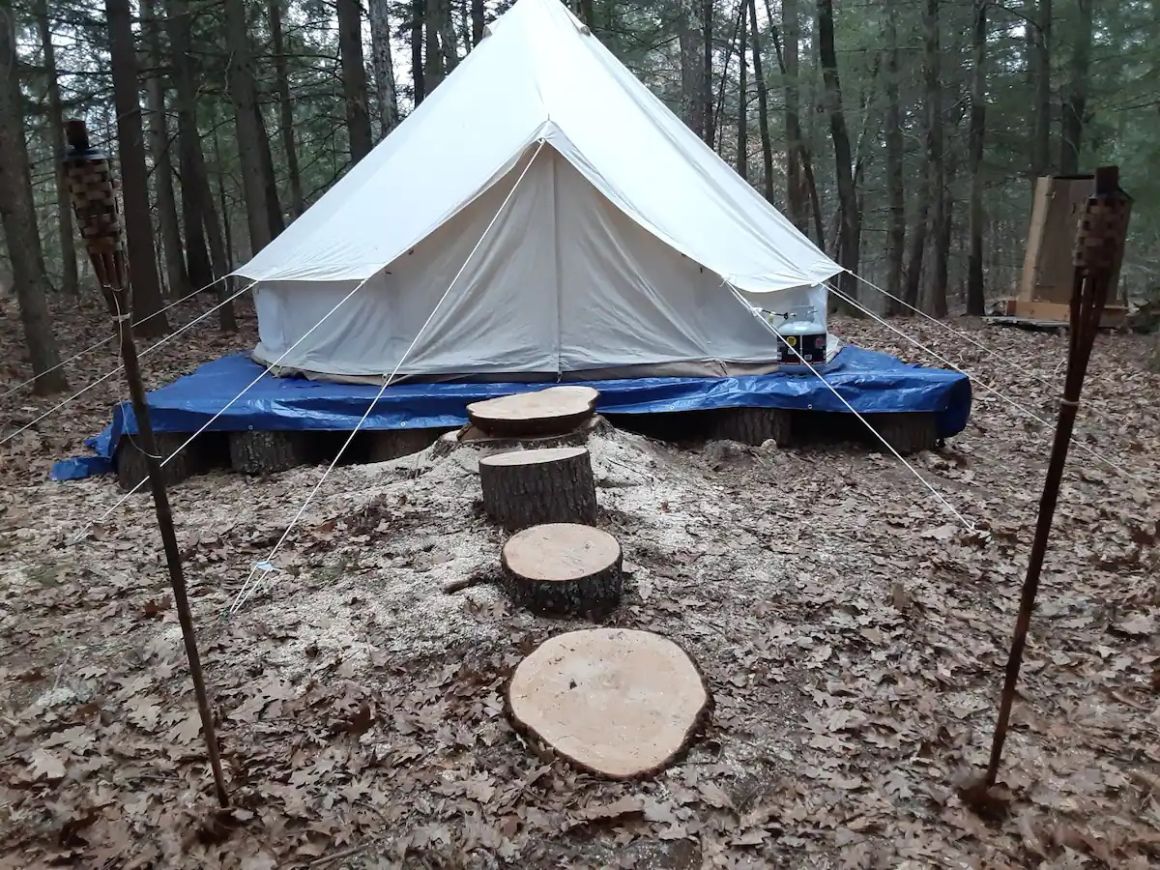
[
  {"x": 563, "y": 569},
  {"x": 528, "y": 487},
  {"x": 553, "y": 411},
  {"x": 753, "y": 426},
  {"x": 131, "y": 467},
  {"x": 617, "y": 702},
  {"x": 905, "y": 432},
  {"x": 264, "y": 452}
]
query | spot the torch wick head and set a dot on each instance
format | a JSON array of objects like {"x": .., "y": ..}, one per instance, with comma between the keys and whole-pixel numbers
[{"x": 77, "y": 134}]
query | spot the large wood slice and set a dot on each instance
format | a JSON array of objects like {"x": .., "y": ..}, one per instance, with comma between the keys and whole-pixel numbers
[
  {"x": 617, "y": 702},
  {"x": 545, "y": 412},
  {"x": 527, "y": 487},
  {"x": 563, "y": 569}
]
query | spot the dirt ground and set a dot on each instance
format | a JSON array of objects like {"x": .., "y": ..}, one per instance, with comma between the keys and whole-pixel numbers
[{"x": 851, "y": 632}]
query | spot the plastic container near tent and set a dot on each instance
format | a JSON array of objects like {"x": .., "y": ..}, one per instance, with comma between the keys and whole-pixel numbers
[{"x": 583, "y": 230}]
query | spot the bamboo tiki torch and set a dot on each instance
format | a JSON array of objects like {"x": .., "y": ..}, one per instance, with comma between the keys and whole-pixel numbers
[
  {"x": 1098, "y": 247},
  {"x": 90, "y": 181}
]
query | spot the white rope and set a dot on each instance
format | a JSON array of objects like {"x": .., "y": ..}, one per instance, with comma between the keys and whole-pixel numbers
[
  {"x": 254, "y": 582},
  {"x": 964, "y": 336},
  {"x": 1027, "y": 412},
  {"x": 108, "y": 375},
  {"x": 950, "y": 507},
  {"x": 109, "y": 338},
  {"x": 223, "y": 409}
]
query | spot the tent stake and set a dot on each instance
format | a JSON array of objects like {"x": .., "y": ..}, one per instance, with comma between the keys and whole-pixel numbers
[
  {"x": 1098, "y": 247},
  {"x": 91, "y": 184}
]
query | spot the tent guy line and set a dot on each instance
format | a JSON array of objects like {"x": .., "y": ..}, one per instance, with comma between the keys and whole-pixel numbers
[
  {"x": 109, "y": 374},
  {"x": 994, "y": 353},
  {"x": 773, "y": 329},
  {"x": 255, "y": 581},
  {"x": 84, "y": 529},
  {"x": 109, "y": 338},
  {"x": 1027, "y": 412}
]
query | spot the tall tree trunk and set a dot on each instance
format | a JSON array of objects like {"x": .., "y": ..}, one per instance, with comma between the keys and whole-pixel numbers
[
  {"x": 134, "y": 176},
  {"x": 432, "y": 52},
  {"x": 935, "y": 302},
  {"x": 896, "y": 226},
  {"x": 384, "y": 65},
  {"x": 269, "y": 178},
  {"x": 354, "y": 78},
  {"x": 68, "y": 252},
  {"x": 224, "y": 205},
  {"x": 1041, "y": 141},
  {"x": 478, "y": 23},
  {"x": 448, "y": 37},
  {"x": 285, "y": 107},
  {"x": 159, "y": 148},
  {"x": 976, "y": 299},
  {"x": 189, "y": 153},
  {"x": 849, "y": 231},
  {"x": 743, "y": 96},
  {"x": 791, "y": 33},
  {"x": 709, "y": 133},
  {"x": 587, "y": 15},
  {"x": 244, "y": 96},
  {"x": 762, "y": 106},
  {"x": 1076, "y": 103},
  {"x": 692, "y": 89},
  {"x": 19, "y": 220},
  {"x": 418, "y": 15}
]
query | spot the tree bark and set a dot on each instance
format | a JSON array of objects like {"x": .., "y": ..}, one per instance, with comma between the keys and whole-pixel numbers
[
  {"x": 69, "y": 282},
  {"x": 896, "y": 226},
  {"x": 419, "y": 82},
  {"x": 384, "y": 65},
  {"x": 709, "y": 133},
  {"x": 228, "y": 240},
  {"x": 448, "y": 37},
  {"x": 762, "y": 107},
  {"x": 525, "y": 488},
  {"x": 1072, "y": 121},
  {"x": 269, "y": 178},
  {"x": 976, "y": 298},
  {"x": 934, "y": 302},
  {"x": 477, "y": 20},
  {"x": 849, "y": 230},
  {"x": 159, "y": 148},
  {"x": 19, "y": 220},
  {"x": 285, "y": 107},
  {"x": 1041, "y": 142},
  {"x": 354, "y": 78},
  {"x": 563, "y": 569},
  {"x": 244, "y": 96},
  {"x": 134, "y": 176},
  {"x": 743, "y": 96},
  {"x": 692, "y": 89},
  {"x": 787, "y": 55},
  {"x": 432, "y": 52}
]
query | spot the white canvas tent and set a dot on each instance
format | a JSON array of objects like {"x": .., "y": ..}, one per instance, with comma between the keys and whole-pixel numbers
[{"x": 610, "y": 256}]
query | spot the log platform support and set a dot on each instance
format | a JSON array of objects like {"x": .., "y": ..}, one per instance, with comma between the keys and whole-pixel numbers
[
  {"x": 563, "y": 569},
  {"x": 752, "y": 426},
  {"x": 198, "y": 458},
  {"x": 265, "y": 452},
  {"x": 524, "y": 488}
]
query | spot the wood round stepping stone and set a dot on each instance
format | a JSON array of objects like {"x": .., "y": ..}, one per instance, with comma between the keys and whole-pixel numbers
[
  {"x": 617, "y": 702},
  {"x": 523, "y": 488},
  {"x": 563, "y": 569},
  {"x": 553, "y": 411}
]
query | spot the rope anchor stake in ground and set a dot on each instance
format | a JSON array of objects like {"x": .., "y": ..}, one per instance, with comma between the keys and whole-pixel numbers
[
  {"x": 90, "y": 183},
  {"x": 1098, "y": 248}
]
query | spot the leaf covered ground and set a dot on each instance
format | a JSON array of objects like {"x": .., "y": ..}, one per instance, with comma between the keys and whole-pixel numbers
[{"x": 853, "y": 636}]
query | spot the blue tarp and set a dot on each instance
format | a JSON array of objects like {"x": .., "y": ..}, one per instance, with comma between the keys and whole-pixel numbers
[{"x": 870, "y": 381}]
